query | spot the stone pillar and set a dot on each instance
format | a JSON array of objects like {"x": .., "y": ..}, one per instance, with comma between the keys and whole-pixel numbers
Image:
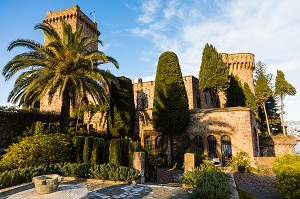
[
  {"x": 139, "y": 164},
  {"x": 189, "y": 161}
]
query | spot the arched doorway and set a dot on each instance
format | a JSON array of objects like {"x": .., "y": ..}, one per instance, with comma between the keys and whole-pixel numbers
[
  {"x": 212, "y": 147},
  {"x": 226, "y": 148}
]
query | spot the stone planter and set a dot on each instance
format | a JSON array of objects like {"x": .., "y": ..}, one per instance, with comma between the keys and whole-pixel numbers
[{"x": 45, "y": 184}]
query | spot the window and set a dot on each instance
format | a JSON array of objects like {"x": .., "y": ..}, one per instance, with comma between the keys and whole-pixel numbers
[
  {"x": 212, "y": 147},
  {"x": 159, "y": 143},
  {"x": 226, "y": 148}
]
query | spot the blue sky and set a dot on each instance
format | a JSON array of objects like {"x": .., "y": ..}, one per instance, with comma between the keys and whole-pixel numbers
[{"x": 136, "y": 32}]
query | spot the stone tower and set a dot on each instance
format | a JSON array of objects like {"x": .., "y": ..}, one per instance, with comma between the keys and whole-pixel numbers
[
  {"x": 75, "y": 17},
  {"x": 241, "y": 65}
]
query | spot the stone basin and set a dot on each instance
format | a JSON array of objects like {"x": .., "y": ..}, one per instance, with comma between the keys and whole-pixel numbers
[{"x": 45, "y": 184}]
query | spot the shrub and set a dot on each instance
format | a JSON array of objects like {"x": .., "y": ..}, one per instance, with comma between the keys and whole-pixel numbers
[
  {"x": 287, "y": 173},
  {"x": 97, "y": 152},
  {"x": 83, "y": 170},
  {"x": 133, "y": 147},
  {"x": 87, "y": 149},
  {"x": 106, "y": 152},
  {"x": 37, "y": 150},
  {"x": 245, "y": 194},
  {"x": 111, "y": 172},
  {"x": 78, "y": 148},
  {"x": 115, "y": 152},
  {"x": 207, "y": 182},
  {"x": 240, "y": 162},
  {"x": 150, "y": 166}
]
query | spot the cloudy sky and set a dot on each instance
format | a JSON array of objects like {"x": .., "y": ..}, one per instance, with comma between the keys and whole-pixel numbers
[{"x": 136, "y": 32}]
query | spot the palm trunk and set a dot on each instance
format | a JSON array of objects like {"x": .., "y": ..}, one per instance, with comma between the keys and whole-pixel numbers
[
  {"x": 267, "y": 120},
  {"x": 169, "y": 150},
  {"x": 281, "y": 114},
  {"x": 65, "y": 111}
]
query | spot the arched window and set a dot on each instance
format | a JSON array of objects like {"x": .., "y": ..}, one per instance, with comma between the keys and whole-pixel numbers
[
  {"x": 148, "y": 143},
  {"x": 212, "y": 147},
  {"x": 198, "y": 141},
  {"x": 226, "y": 148}
]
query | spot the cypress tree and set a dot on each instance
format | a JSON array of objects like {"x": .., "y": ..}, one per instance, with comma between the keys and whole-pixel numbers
[
  {"x": 170, "y": 104},
  {"x": 121, "y": 115},
  {"x": 234, "y": 93},
  {"x": 213, "y": 75},
  {"x": 115, "y": 151},
  {"x": 282, "y": 89},
  {"x": 262, "y": 94}
]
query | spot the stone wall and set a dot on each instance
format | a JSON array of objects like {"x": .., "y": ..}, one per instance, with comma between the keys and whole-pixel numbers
[
  {"x": 277, "y": 145},
  {"x": 238, "y": 123}
]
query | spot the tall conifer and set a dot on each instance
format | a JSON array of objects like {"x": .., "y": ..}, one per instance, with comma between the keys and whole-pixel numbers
[
  {"x": 234, "y": 93},
  {"x": 282, "y": 89},
  {"x": 262, "y": 94},
  {"x": 170, "y": 105},
  {"x": 213, "y": 75}
]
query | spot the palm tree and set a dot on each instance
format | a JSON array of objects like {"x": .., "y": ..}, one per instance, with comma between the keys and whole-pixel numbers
[{"x": 64, "y": 65}]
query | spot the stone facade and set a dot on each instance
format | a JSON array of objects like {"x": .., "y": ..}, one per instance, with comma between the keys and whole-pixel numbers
[{"x": 75, "y": 17}]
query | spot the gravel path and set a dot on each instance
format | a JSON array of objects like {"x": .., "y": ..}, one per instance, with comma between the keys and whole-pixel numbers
[{"x": 262, "y": 185}]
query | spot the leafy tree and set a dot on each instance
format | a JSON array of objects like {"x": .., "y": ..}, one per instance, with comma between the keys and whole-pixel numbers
[
  {"x": 250, "y": 100},
  {"x": 282, "y": 89},
  {"x": 170, "y": 104},
  {"x": 121, "y": 114},
  {"x": 262, "y": 94},
  {"x": 213, "y": 74},
  {"x": 65, "y": 65},
  {"x": 234, "y": 93}
]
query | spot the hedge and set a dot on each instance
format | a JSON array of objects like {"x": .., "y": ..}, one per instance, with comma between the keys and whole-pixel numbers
[
  {"x": 97, "y": 152},
  {"x": 287, "y": 173},
  {"x": 83, "y": 170},
  {"x": 87, "y": 149},
  {"x": 78, "y": 148}
]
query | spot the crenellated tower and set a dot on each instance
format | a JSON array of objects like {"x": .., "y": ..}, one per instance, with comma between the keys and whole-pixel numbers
[
  {"x": 241, "y": 65},
  {"x": 75, "y": 17}
]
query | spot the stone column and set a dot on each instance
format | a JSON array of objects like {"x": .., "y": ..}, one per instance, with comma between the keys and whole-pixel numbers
[
  {"x": 139, "y": 164},
  {"x": 189, "y": 161}
]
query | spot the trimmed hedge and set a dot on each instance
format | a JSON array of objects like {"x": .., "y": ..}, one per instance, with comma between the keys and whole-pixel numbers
[
  {"x": 103, "y": 172},
  {"x": 97, "y": 152},
  {"x": 38, "y": 150},
  {"x": 287, "y": 170},
  {"x": 87, "y": 149},
  {"x": 78, "y": 148}
]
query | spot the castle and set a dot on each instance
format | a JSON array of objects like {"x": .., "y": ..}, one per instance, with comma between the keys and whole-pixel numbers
[{"x": 217, "y": 132}]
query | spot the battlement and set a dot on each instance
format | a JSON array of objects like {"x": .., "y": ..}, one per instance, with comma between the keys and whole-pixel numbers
[{"x": 73, "y": 13}]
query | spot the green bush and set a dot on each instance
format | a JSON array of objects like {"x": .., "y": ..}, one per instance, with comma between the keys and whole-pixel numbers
[
  {"x": 287, "y": 173},
  {"x": 150, "y": 166},
  {"x": 115, "y": 152},
  {"x": 240, "y": 162},
  {"x": 207, "y": 182},
  {"x": 97, "y": 152},
  {"x": 38, "y": 150},
  {"x": 133, "y": 147},
  {"x": 110, "y": 172},
  {"x": 83, "y": 170},
  {"x": 78, "y": 148},
  {"x": 106, "y": 152},
  {"x": 245, "y": 194},
  {"x": 87, "y": 149}
]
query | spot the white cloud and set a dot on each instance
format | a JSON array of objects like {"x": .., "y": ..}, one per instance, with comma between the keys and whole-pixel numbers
[{"x": 269, "y": 29}]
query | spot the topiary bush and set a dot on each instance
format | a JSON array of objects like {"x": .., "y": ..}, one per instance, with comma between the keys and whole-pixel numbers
[
  {"x": 78, "y": 142},
  {"x": 207, "y": 182},
  {"x": 38, "y": 150},
  {"x": 115, "y": 151},
  {"x": 87, "y": 149},
  {"x": 97, "y": 152},
  {"x": 287, "y": 173},
  {"x": 240, "y": 162}
]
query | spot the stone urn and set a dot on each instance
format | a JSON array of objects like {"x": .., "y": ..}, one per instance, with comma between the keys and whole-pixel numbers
[{"x": 45, "y": 184}]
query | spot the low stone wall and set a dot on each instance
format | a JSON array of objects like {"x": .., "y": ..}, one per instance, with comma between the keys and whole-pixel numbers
[{"x": 277, "y": 145}]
